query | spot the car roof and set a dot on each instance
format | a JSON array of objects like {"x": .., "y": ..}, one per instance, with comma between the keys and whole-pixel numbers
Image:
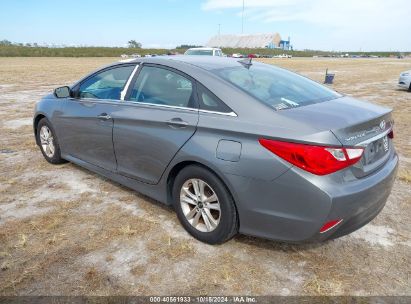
[
  {"x": 204, "y": 70},
  {"x": 204, "y": 48},
  {"x": 204, "y": 62}
]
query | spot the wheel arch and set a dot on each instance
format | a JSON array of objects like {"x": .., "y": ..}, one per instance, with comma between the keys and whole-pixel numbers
[
  {"x": 172, "y": 174},
  {"x": 36, "y": 121}
]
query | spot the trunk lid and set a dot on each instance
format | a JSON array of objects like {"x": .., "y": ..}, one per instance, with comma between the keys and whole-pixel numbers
[{"x": 353, "y": 123}]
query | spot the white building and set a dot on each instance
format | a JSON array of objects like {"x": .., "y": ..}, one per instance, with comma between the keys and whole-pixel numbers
[{"x": 246, "y": 41}]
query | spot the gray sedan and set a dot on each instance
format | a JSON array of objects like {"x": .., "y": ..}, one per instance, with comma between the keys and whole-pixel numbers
[{"x": 233, "y": 145}]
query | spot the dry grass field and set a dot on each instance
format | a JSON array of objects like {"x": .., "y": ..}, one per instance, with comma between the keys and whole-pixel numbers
[{"x": 66, "y": 231}]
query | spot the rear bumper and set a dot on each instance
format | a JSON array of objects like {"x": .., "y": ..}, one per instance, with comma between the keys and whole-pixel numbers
[
  {"x": 363, "y": 204},
  {"x": 297, "y": 204}
]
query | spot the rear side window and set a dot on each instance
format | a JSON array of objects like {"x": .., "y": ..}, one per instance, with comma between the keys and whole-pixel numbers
[
  {"x": 210, "y": 102},
  {"x": 107, "y": 84},
  {"x": 160, "y": 86}
]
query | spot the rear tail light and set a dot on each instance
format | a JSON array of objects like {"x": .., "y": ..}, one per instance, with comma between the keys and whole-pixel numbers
[
  {"x": 391, "y": 134},
  {"x": 319, "y": 160},
  {"x": 329, "y": 225}
]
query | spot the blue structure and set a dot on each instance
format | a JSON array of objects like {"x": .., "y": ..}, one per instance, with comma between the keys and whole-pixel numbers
[{"x": 285, "y": 44}]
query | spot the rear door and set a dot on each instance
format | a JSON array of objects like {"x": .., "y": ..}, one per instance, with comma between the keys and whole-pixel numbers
[
  {"x": 158, "y": 117},
  {"x": 87, "y": 123}
]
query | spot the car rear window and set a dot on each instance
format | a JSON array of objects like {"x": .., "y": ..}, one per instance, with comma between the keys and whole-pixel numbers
[
  {"x": 278, "y": 88},
  {"x": 199, "y": 52}
]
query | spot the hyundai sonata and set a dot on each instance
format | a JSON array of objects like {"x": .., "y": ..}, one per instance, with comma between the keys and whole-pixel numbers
[{"x": 233, "y": 145}]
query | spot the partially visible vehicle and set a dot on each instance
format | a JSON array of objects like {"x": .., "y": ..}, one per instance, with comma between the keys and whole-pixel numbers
[
  {"x": 282, "y": 56},
  {"x": 253, "y": 56},
  {"x": 237, "y": 55},
  {"x": 204, "y": 51},
  {"x": 405, "y": 80}
]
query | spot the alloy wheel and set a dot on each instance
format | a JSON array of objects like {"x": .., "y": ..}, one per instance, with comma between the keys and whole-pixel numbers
[
  {"x": 200, "y": 205},
  {"x": 47, "y": 141}
]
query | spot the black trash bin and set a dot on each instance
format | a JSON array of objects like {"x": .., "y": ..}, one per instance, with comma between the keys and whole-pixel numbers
[{"x": 329, "y": 77}]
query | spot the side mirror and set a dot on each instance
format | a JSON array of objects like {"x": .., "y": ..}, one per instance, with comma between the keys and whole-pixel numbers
[{"x": 62, "y": 92}]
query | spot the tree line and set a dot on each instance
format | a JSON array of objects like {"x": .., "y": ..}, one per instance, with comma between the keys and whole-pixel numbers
[{"x": 10, "y": 49}]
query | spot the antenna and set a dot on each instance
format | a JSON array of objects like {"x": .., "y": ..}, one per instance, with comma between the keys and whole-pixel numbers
[{"x": 246, "y": 62}]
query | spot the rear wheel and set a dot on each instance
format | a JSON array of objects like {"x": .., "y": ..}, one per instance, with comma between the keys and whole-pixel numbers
[
  {"x": 204, "y": 206},
  {"x": 48, "y": 142}
]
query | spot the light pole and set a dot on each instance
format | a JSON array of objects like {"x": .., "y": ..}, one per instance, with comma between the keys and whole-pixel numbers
[
  {"x": 219, "y": 32},
  {"x": 242, "y": 20}
]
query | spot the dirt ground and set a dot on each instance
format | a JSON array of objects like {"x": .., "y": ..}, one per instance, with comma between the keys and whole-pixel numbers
[{"x": 67, "y": 231}]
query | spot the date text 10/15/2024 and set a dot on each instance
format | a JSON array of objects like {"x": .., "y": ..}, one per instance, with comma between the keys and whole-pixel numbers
[{"x": 203, "y": 299}]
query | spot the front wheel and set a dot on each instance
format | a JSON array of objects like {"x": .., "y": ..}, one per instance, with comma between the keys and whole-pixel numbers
[
  {"x": 204, "y": 206},
  {"x": 48, "y": 142}
]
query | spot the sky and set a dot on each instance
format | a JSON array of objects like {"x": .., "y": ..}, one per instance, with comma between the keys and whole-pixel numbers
[{"x": 338, "y": 25}]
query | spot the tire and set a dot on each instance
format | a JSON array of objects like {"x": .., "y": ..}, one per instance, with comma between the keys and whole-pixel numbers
[
  {"x": 222, "y": 224},
  {"x": 53, "y": 156}
]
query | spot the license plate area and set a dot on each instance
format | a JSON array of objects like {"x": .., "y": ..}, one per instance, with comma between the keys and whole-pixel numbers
[{"x": 376, "y": 150}]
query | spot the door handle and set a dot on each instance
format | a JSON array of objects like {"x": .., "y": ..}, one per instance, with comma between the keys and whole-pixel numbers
[
  {"x": 177, "y": 123},
  {"x": 104, "y": 116}
]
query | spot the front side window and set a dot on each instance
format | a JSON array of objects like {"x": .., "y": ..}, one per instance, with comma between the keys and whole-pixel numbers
[
  {"x": 276, "y": 87},
  {"x": 162, "y": 87},
  {"x": 107, "y": 84}
]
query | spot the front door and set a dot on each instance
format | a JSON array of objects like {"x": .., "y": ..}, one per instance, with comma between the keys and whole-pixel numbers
[
  {"x": 157, "y": 118},
  {"x": 87, "y": 123}
]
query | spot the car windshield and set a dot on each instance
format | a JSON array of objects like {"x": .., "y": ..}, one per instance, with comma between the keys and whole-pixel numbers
[
  {"x": 278, "y": 88},
  {"x": 199, "y": 52}
]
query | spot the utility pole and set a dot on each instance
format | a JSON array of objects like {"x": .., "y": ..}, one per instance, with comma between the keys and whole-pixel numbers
[
  {"x": 219, "y": 32},
  {"x": 242, "y": 20}
]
